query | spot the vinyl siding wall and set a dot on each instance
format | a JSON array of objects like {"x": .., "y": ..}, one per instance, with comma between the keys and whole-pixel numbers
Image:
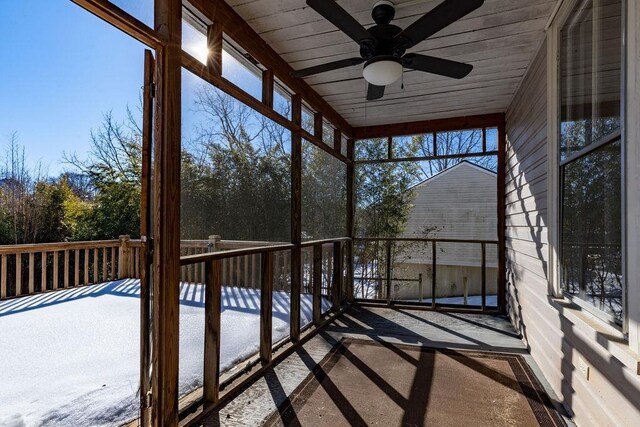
[{"x": 558, "y": 342}]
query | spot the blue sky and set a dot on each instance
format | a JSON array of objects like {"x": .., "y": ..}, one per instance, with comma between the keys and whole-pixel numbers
[{"x": 61, "y": 70}]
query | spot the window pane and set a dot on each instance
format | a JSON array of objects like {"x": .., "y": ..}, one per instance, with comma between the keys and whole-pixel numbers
[
  {"x": 413, "y": 146},
  {"x": 281, "y": 100},
  {"x": 459, "y": 142},
  {"x": 194, "y": 42},
  {"x": 236, "y": 179},
  {"x": 591, "y": 45},
  {"x": 327, "y": 134},
  {"x": 241, "y": 72},
  {"x": 492, "y": 139},
  {"x": 307, "y": 119},
  {"x": 591, "y": 229},
  {"x": 324, "y": 200},
  {"x": 371, "y": 149}
]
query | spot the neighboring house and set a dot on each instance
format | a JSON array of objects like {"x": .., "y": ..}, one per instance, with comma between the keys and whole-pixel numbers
[{"x": 457, "y": 203}]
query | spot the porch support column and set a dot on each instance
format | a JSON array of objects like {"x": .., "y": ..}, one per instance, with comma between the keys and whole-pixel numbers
[
  {"x": 502, "y": 254},
  {"x": 296, "y": 216},
  {"x": 166, "y": 257},
  {"x": 350, "y": 215}
]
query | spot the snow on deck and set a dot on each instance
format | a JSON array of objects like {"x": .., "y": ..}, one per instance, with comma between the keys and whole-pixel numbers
[{"x": 71, "y": 357}]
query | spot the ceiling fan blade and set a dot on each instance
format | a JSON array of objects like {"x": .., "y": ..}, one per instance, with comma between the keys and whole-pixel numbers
[
  {"x": 305, "y": 72},
  {"x": 374, "y": 92},
  {"x": 339, "y": 17},
  {"x": 436, "y": 19},
  {"x": 430, "y": 64}
]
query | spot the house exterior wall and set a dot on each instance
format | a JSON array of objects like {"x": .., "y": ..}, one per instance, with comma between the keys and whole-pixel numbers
[{"x": 562, "y": 340}]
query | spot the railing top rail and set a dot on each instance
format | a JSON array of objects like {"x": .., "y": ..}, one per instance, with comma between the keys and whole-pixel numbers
[
  {"x": 324, "y": 241},
  {"x": 424, "y": 239},
  {"x": 213, "y": 256},
  {"x": 57, "y": 246}
]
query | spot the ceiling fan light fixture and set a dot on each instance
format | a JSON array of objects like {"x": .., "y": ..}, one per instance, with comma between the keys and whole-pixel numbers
[{"x": 382, "y": 70}]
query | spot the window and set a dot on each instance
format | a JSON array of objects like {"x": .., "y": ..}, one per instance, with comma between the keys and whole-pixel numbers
[{"x": 590, "y": 148}]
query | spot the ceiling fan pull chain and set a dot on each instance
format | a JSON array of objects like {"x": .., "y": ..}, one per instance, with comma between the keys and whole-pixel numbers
[{"x": 402, "y": 81}]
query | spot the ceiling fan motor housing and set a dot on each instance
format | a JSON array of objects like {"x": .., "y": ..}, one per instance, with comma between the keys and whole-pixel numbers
[{"x": 383, "y": 12}]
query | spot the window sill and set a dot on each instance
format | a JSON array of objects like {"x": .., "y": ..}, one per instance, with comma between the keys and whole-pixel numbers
[{"x": 608, "y": 337}]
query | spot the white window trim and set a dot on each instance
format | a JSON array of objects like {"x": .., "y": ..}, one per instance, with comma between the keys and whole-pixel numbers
[
  {"x": 632, "y": 172},
  {"x": 631, "y": 156}
]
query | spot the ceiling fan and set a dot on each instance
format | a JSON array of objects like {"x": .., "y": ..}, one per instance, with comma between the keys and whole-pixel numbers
[{"x": 383, "y": 46}]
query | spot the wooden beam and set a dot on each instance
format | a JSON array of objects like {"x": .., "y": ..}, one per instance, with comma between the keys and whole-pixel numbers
[
  {"x": 351, "y": 203},
  {"x": 267, "y": 88},
  {"x": 428, "y": 126},
  {"x": 212, "y": 330},
  {"x": 316, "y": 283},
  {"x": 214, "y": 45},
  {"x": 120, "y": 19},
  {"x": 338, "y": 270},
  {"x": 145, "y": 233},
  {"x": 168, "y": 22},
  {"x": 501, "y": 210},
  {"x": 337, "y": 140},
  {"x": 266, "y": 306},
  {"x": 317, "y": 126},
  {"x": 296, "y": 217},
  {"x": 242, "y": 33}
]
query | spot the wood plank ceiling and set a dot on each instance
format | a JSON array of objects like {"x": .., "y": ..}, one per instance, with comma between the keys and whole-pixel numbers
[{"x": 500, "y": 40}]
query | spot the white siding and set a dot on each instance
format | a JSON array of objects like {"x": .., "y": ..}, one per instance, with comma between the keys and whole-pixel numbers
[
  {"x": 611, "y": 395},
  {"x": 459, "y": 203}
]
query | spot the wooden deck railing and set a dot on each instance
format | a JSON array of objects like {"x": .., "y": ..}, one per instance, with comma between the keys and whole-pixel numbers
[
  {"x": 384, "y": 277},
  {"x": 214, "y": 279},
  {"x": 35, "y": 268},
  {"x": 30, "y": 269}
]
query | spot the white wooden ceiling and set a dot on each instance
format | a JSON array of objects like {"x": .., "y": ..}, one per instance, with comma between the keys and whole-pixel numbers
[{"x": 499, "y": 39}]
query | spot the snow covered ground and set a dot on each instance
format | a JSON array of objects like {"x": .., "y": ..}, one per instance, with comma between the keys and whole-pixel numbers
[{"x": 71, "y": 358}]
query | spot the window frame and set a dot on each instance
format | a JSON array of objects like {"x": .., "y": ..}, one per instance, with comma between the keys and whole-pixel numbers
[{"x": 555, "y": 181}]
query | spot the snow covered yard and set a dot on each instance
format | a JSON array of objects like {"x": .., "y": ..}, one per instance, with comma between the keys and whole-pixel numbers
[{"x": 71, "y": 358}]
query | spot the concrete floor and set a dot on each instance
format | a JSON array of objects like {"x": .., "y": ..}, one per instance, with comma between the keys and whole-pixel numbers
[{"x": 413, "y": 327}]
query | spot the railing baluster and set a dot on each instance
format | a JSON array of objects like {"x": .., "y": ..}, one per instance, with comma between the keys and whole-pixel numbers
[
  {"x": 389, "y": 272},
  {"x": 296, "y": 286},
  {"x": 86, "y": 267},
  {"x": 76, "y": 268},
  {"x": 66, "y": 269},
  {"x": 43, "y": 279},
  {"x": 484, "y": 276},
  {"x": 337, "y": 276},
  {"x": 213, "y": 308},
  {"x": 32, "y": 267},
  {"x": 433, "y": 275},
  {"x": 3, "y": 276},
  {"x": 317, "y": 283},
  {"x": 104, "y": 264},
  {"x": 112, "y": 274},
  {"x": 266, "y": 306},
  {"x": 18, "y": 274},
  {"x": 95, "y": 266},
  {"x": 55, "y": 269}
]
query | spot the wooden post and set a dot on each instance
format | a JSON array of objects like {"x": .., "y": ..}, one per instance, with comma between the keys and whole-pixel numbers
[
  {"x": 350, "y": 215},
  {"x": 336, "y": 290},
  {"x": 317, "y": 126},
  {"x": 96, "y": 277},
  {"x": 267, "y": 88},
  {"x": 502, "y": 255},
  {"x": 124, "y": 253},
  {"x": 213, "y": 309},
  {"x": 337, "y": 140},
  {"x": 146, "y": 201},
  {"x": 214, "y": 241},
  {"x": 214, "y": 43},
  {"x": 166, "y": 252},
  {"x": 104, "y": 265},
  {"x": 317, "y": 283},
  {"x": 266, "y": 306},
  {"x": 296, "y": 217}
]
